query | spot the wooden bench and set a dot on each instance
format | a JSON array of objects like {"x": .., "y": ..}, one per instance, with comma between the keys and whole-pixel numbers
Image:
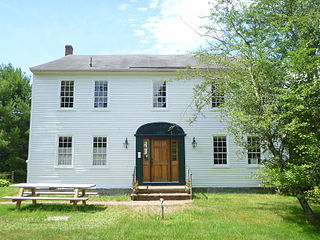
[
  {"x": 72, "y": 200},
  {"x": 57, "y": 193}
]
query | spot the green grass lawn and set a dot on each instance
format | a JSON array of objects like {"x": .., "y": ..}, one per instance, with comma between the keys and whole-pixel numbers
[{"x": 221, "y": 216}]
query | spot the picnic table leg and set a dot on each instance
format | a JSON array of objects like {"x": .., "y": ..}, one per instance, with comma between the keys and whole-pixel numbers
[
  {"x": 74, "y": 205},
  {"x": 21, "y": 191},
  {"x": 33, "y": 193},
  {"x": 76, "y": 192},
  {"x": 83, "y": 195},
  {"x": 18, "y": 204}
]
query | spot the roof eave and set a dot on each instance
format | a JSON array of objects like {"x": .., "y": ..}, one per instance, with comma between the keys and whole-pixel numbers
[{"x": 35, "y": 70}]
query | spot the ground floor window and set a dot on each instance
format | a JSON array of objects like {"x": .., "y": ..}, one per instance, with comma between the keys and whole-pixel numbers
[
  {"x": 100, "y": 151},
  {"x": 254, "y": 150},
  {"x": 219, "y": 150},
  {"x": 65, "y": 150}
]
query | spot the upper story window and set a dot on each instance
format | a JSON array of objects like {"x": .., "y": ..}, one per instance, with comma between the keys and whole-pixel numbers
[
  {"x": 254, "y": 150},
  {"x": 65, "y": 151},
  {"x": 159, "y": 94},
  {"x": 67, "y": 94},
  {"x": 217, "y": 96},
  {"x": 101, "y": 94},
  {"x": 100, "y": 151},
  {"x": 220, "y": 150}
]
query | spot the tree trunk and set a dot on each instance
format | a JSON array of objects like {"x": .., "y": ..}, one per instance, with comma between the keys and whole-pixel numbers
[{"x": 307, "y": 210}]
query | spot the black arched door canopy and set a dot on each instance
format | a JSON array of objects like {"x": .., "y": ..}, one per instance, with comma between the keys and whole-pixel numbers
[{"x": 160, "y": 129}]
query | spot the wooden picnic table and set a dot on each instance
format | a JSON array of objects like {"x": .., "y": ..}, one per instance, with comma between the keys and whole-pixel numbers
[{"x": 77, "y": 190}]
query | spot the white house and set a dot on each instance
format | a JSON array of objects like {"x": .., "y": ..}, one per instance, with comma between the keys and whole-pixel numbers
[{"x": 96, "y": 118}]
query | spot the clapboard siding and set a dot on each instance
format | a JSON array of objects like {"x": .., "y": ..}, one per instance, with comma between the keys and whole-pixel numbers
[{"x": 130, "y": 106}]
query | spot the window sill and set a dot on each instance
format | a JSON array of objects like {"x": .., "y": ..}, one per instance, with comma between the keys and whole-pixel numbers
[
  {"x": 100, "y": 110},
  {"x": 63, "y": 167},
  {"x": 160, "y": 110},
  {"x": 254, "y": 165},
  {"x": 66, "y": 110},
  {"x": 223, "y": 166},
  {"x": 215, "y": 109},
  {"x": 99, "y": 167}
]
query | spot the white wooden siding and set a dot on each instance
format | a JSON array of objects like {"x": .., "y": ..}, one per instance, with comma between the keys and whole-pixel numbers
[{"x": 129, "y": 106}]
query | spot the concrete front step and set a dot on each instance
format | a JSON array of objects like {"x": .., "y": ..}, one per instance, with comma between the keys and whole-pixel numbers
[{"x": 157, "y": 196}]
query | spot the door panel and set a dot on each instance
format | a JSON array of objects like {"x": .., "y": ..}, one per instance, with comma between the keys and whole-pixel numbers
[{"x": 160, "y": 160}]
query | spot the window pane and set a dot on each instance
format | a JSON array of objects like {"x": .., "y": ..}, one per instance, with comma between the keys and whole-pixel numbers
[
  {"x": 99, "y": 151},
  {"x": 65, "y": 151},
  {"x": 101, "y": 94},
  {"x": 66, "y": 94},
  {"x": 254, "y": 150},
  {"x": 217, "y": 97},
  {"x": 159, "y": 94},
  {"x": 220, "y": 150},
  {"x": 146, "y": 150},
  {"x": 174, "y": 151}
]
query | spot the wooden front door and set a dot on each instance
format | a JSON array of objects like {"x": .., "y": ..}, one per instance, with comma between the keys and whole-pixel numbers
[{"x": 160, "y": 160}]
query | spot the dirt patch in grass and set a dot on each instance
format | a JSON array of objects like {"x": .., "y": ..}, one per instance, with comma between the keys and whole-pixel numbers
[{"x": 153, "y": 209}]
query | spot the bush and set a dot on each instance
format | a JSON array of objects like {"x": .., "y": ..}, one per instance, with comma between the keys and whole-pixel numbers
[{"x": 4, "y": 183}]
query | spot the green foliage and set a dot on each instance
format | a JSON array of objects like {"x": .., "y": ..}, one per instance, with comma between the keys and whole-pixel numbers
[
  {"x": 269, "y": 57},
  {"x": 314, "y": 195},
  {"x": 4, "y": 183},
  {"x": 15, "y": 95}
]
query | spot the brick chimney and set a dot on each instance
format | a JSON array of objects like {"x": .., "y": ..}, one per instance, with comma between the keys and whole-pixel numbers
[{"x": 68, "y": 50}]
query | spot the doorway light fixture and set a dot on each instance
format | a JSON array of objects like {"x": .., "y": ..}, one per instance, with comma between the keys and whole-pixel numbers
[
  {"x": 194, "y": 143},
  {"x": 126, "y": 143}
]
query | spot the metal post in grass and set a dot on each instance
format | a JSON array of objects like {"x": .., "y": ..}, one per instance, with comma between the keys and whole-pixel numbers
[{"x": 162, "y": 208}]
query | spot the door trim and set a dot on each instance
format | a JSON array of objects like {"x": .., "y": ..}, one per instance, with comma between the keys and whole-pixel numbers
[{"x": 160, "y": 130}]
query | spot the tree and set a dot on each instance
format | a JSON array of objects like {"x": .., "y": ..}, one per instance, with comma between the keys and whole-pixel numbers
[
  {"x": 15, "y": 95},
  {"x": 269, "y": 57}
]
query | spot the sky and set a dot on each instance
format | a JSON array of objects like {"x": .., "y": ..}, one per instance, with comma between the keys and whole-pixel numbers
[{"x": 35, "y": 31}]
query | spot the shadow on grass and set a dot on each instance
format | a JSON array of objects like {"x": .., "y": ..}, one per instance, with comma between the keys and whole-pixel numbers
[
  {"x": 292, "y": 213},
  {"x": 62, "y": 208},
  {"x": 199, "y": 196}
]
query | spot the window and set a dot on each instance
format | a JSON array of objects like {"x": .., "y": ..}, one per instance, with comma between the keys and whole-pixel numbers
[
  {"x": 220, "y": 150},
  {"x": 174, "y": 150},
  {"x": 101, "y": 94},
  {"x": 65, "y": 151},
  {"x": 100, "y": 151},
  {"x": 159, "y": 94},
  {"x": 254, "y": 150},
  {"x": 146, "y": 149},
  {"x": 217, "y": 97},
  {"x": 66, "y": 94}
]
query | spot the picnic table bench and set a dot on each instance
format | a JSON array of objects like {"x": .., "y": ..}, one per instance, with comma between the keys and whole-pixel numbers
[{"x": 78, "y": 191}]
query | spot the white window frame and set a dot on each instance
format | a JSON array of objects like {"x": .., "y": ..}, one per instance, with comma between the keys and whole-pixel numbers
[
  {"x": 107, "y": 152},
  {"x": 247, "y": 153},
  {"x": 93, "y": 96},
  {"x": 60, "y": 97},
  {"x": 57, "y": 165},
  {"x": 153, "y": 97},
  {"x": 227, "y": 165}
]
